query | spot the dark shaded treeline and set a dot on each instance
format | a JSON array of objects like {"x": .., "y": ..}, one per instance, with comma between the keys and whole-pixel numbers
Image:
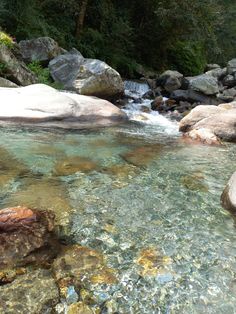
[{"x": 156, "y": 34}]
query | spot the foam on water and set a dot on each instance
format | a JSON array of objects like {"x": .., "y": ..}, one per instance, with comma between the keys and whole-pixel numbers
[{"x": 134, "y": 108}]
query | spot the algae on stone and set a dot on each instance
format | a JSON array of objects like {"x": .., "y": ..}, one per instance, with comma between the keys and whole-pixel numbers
[{"x": 35, "y": 293}]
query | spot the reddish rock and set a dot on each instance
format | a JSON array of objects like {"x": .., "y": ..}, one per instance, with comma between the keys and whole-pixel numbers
[{"x": 26, "y": 236}]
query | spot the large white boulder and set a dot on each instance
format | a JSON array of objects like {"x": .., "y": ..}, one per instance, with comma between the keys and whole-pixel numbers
[
  {"x": 46, "y": 106},
  {"x": 218, "y": 122}
]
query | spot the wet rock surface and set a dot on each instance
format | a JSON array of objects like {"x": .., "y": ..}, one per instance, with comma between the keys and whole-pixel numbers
[
  {"x": 71, "y": 165},
  {"x": 228, "y": 197},
  {"x": 82, "y": 266},
  {"x": 143, "y": 155},
  {"x": 34, "y": 293},
  {"x": 45, "y": 194},
  {"x": 26, "y": 236}
]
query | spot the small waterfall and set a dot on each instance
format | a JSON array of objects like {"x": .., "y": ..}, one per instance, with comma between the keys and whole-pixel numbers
[
  {"x": 139, "y": 109},
  {"x": 136, "y": 89}
]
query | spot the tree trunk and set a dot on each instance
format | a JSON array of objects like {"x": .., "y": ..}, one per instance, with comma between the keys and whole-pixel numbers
[{"x": 80, "y": 18}]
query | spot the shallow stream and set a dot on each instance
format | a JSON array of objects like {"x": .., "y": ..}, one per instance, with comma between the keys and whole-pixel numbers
[
  {"x": 149, "y": 202},
  {"x": 145, "y": 199}
]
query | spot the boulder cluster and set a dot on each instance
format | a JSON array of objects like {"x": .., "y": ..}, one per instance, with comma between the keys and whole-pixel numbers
[
  {"x": 217, "y": 85},
  {"x": 69, "y": 69}
]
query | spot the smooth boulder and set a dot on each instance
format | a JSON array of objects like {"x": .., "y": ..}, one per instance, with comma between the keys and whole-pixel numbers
[
  {"x": 86, "y": 76},
  {"x": 44, "y": 106},
  {"x": 197, "y": 114},
  {"x": 228, "y": 197},
  {"x": 218, "y": 121},
  {"x": 206, "y": 84},
  {"x": 170, "y": 80},
  {"x": 42, "y": 49}
]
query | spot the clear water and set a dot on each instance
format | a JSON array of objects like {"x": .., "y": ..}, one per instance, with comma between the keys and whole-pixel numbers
[{"x": 169, "y": 204}]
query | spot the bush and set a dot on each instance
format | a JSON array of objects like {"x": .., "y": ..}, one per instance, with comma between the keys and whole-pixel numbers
[
  {"x": 3, "y": 69},
  {"x": 43, "y": 75},
  {"x": 6, "y": 40},
  {"x": 188, "y": 57}
]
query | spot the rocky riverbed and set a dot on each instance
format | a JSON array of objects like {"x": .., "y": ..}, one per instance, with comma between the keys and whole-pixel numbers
[{"x": 138, "y": 225}]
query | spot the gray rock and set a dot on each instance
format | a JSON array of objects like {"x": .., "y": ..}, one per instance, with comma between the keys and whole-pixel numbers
[
  {"x": 217, "y": 73},
  {"x": 205, "y": 84},
  {"x": 41, "y": 49},
  {"x": 228, "y": 197},
  {"x": 86, "y": 76},
  {"x": 6, "y": 83},
  {"x": 170, "y": 80},
  {"x": 193, "y": 96},
  {"x": 44, "y": 106},
  {"x": 229, "y": 80},
  {"x": 210, "y": 67},
  {"x": 64, "y": 68},
  {"x": 231, "y": 66},
  {"x": 34, "y": 293},
  {"x": 172, "y": 84},
  {"x": 16, "y": 70},
  {"x": 227, "y": 95}
]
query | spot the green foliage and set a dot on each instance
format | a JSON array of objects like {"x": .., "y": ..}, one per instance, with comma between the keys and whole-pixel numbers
[
  {"x": 6, "y": 40},
  {"x": 188, "y": 57},
  {"x": 3, "y": 69},
  {"x": 42, "y": 74},
  {"x": 154, "y": 33}
]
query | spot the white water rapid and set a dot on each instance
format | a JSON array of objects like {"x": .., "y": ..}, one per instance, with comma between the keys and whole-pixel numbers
[{"x": 137, "y": 105}]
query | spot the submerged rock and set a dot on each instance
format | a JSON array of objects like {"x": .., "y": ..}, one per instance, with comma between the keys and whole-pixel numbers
[
  {"x": 45, "y": 194},
  {"x": 143, "y": 155},
  {"x": 122, "y": 171},
  {"x": 71, "y": 165},
  {"x": 194, "y": 182},
  {"x": 79, "y": 308},
  {"x": 34, "y": 293},
  {"x": 41, "y": 105},
  {"x": 228, "y": 197},
  {"x": 26, "y": 236},
  {"x": 152, "y": 262},
  {"x": 82, "y": 266}
]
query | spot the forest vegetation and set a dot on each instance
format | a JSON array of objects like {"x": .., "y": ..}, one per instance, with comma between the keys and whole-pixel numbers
[{"x": 155, "y": 34}]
